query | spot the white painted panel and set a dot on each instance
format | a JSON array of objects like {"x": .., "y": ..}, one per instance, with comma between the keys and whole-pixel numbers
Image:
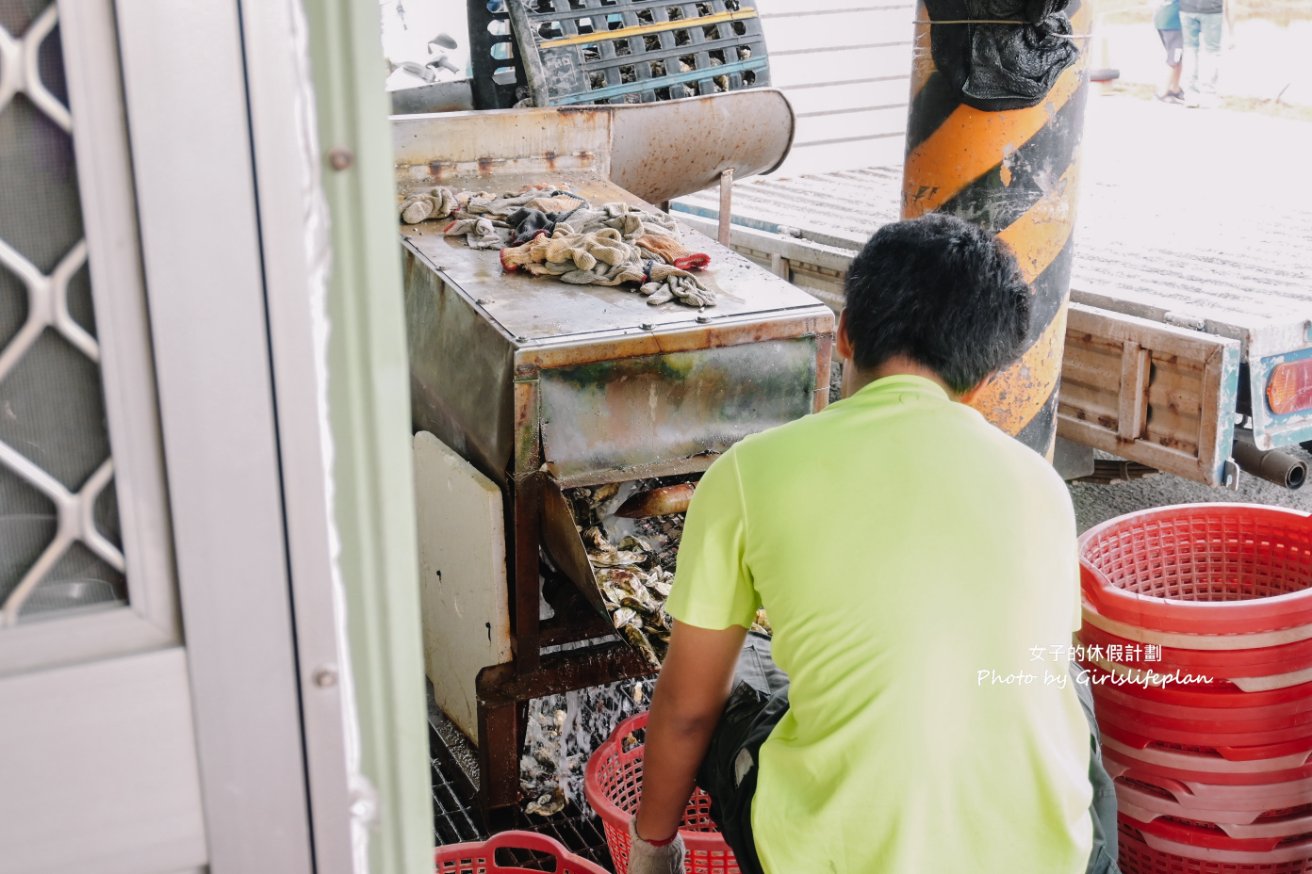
[
  {"x": 777, "y": 8},
  {"x": 821, "y": 31},
  {"x": 839, "y": 65},
  {"x": 850, "y": 125},
  {"x": 892, "y": 92},
  {"x": 872, "y": 152},
  {"x": 462, "y": 573},
  {"x": 88, "y": 784},
  {"x": 185, "y": 80}
]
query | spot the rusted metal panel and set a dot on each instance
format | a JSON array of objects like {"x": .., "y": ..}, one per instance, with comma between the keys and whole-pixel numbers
[
  {"x": 617, "y": 414},
  {"x": 435, "y": 149},
  {"x": 665, "y": 150},
  {"x": 449, "y": 340},
  {"x": 653, "y": 152},
  {"x": 1160, "y": 395},
  {"x": 475, "y": 329}
]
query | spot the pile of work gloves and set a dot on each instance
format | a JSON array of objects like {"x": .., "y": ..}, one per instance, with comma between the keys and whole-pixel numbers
[{"x": 557, "y": 233}]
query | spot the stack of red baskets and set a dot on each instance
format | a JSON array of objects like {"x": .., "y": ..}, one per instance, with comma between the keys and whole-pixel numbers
[{"x": 1213, "y": 775}]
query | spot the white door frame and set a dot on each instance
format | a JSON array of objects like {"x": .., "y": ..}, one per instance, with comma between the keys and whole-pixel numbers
[{"x": 188, "y": 116}]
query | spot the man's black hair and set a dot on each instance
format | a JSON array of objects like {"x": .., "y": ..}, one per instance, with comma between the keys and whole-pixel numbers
[{"x": 942, "y": 292}]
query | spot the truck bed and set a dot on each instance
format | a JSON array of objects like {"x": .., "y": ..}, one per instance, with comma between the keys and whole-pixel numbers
[
  {"x": 1197, "y": 243},
  {"x": 1188, "y": 219}
]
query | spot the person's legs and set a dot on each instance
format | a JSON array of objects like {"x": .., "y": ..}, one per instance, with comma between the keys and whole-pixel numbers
[
  {"x": 1102, "y": 810},
  {"x": 1190, "y": 28},
  {"x": 1173, "y": 44},
  {"x": 1209, "y": 55},
  {"x": 728, "y": 773}
]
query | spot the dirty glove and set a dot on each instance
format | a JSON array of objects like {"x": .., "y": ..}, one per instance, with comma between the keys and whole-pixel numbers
[
  {"x": 479, "y": 233},
  {"x": 671, "y": 251},
  {"x": 646, "y": 858},
  {"x": 665, "y": 283},
  {"x": 435, "y": 203}
]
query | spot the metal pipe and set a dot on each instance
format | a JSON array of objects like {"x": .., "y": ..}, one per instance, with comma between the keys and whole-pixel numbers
[
  {"x": 663, "y": 501},
  {"x": 724, "y": 235},
  {"x": 1272, "y": 465},
  {"x": 1013, "y": 171}
]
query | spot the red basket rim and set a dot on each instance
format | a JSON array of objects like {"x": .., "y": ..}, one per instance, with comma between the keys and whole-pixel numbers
[
  {"x": 1187, "y": 859},
  {"x": 1237, "y": 753},
  {"x": 1272, "y": 612},
  {"x": 1279, "y": 659},
  {"x": 1126, "y": 764},
  {"x": 1217, "y": 697},
  {"x": 1211, "y": 641},
  {"x": 1203, "y": 723},
  {"x": 1196, "y": 706},
  {"x": 610, "y": 812},
  {"x": 1200, "y": 839},
  {"x": 515, "y": 839}
]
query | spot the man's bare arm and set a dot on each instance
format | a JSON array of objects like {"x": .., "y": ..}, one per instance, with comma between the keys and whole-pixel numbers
[{"x": 690, "y": 695}]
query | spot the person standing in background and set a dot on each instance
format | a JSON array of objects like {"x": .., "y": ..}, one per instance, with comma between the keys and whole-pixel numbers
[
  {"x": 1200, "y": 23},
  {"x": 1166, "y": 18}
]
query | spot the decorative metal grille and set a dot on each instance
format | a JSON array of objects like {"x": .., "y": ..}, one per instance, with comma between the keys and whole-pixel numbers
[{"x": 60, "y": 546}]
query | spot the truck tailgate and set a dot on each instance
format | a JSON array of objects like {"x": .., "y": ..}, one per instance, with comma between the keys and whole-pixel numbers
[{"x": 1159, "y": 395}]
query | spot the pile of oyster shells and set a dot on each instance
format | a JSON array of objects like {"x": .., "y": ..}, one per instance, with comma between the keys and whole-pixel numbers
[
  {"x": 562, "y": 733},
  {"x": 634, "y": 566},
  {"x": 633, "y": 561}
]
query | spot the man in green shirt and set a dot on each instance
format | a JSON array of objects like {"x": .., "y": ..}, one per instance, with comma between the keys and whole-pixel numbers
[{"x": 919, "y": 570}]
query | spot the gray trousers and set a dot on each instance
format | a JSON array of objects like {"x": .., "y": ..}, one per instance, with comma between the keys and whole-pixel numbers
[{"x": 760, "y": 699}]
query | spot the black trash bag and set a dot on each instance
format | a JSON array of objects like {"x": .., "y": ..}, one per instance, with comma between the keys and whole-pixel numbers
[{"x": 1001, "y": 66}]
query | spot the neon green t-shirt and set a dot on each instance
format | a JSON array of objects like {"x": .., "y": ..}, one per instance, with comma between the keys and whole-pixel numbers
[{"x": 917, "y": 566}]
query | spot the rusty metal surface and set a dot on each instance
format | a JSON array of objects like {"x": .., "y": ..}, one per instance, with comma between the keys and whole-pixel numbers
[
  {"x": 561, "y": 672},
  {"x": 435, "y": 149},
  {"x": 542, "y": 309},
  {"x": 560, "y": 535},
  {"x": 448, "y": 340},
  {"x": 660, "y": 501},
  {"x": 470, "y": 324},
  {"x": 437, "y": 97},
  {"x": 653, "y": 151},
  {"x": 665, "y": 150},
  {"x": 650, "y": 409}
]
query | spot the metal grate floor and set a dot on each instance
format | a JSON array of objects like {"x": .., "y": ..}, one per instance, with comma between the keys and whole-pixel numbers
[{"x": 456, "y": 817}]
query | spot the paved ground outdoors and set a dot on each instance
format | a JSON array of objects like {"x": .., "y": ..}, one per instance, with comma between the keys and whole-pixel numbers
[
  {"x": 1263, "y": 56},
  {"x": 1239, "y": 173}
]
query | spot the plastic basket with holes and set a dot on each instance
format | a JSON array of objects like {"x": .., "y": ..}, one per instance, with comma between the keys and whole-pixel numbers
[
  {"x": 637, "y": 51},
  {"x": 612, "y": 783},
  {"x": 1138, "y": 857},
  {"x": 507, "y": 853},
  {"x": 1202, "y": 569}
]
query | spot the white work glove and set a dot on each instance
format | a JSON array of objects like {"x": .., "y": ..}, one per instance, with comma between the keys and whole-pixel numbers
[{"x": 647, "y": 859}]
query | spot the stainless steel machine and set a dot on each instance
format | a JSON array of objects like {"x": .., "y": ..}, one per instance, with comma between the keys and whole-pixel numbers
[{"x": 541, "y": 387}]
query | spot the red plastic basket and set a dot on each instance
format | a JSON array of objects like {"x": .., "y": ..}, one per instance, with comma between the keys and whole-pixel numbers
[
  {"x": 1218, "y": 700},
  {"x": 1255, "y": 662},
  {"x": 612, "y": 783},
  {"x": 1157, "y": 765},
  {"x": 1136, "y": 857},
  {"x": 1205, "y": 842},
  {"x": 481, "y": 857},
  {"x": 1201, "y": 568}
]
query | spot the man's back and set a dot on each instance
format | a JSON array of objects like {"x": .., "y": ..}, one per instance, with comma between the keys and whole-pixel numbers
[{"x": 914, "y": 561}]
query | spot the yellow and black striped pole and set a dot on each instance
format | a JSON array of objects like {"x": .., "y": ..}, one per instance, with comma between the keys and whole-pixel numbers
[{"x": 1014, "y": 172}]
